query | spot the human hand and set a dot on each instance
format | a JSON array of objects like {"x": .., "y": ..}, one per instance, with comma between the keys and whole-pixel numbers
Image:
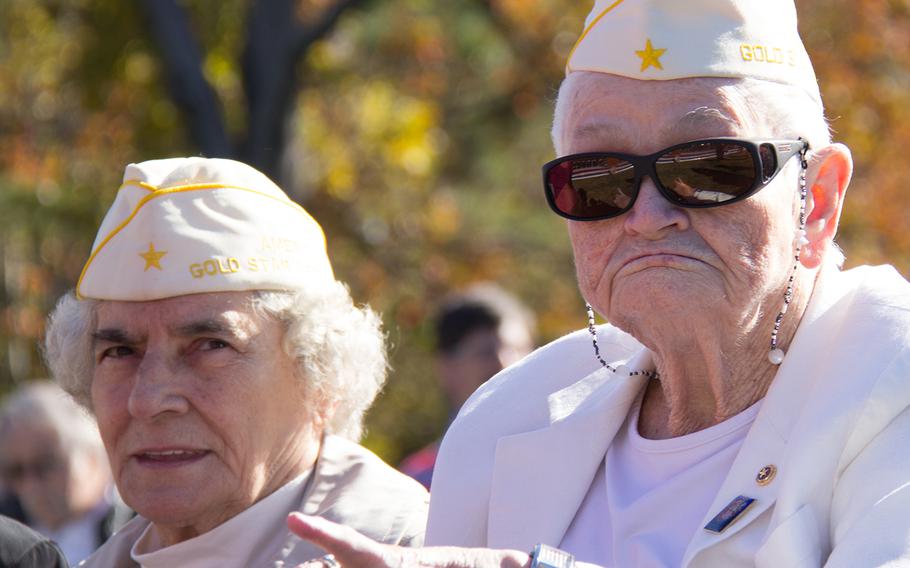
[{"x": 354, "y": 550}]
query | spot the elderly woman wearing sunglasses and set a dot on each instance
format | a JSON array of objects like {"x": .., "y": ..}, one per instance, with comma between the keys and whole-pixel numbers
[{"x": 749, "y": 402}]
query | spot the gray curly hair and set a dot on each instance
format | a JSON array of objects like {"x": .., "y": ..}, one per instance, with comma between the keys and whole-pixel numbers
[{"x": 339, "y": 349}]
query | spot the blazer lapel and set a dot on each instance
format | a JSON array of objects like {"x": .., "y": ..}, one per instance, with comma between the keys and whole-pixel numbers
[
  {"x": 766, "y": 443},
  {"x": 763, "y": 447},
  {"x": 541, "y": 477}
]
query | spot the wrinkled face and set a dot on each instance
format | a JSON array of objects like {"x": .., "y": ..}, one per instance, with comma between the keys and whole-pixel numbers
[
  {"x": 37, "y": 470},
  {"x": 658, "y": 264},
  {"x": 199, "y": 407}
]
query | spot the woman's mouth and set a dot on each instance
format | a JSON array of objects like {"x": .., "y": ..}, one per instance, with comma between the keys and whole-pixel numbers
[{"x": 169, "y": 457}]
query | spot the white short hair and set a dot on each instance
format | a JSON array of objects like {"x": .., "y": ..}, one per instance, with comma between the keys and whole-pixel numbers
[
  {"x": 339, "y": 349},
  {"x": 784, "y": 111}
]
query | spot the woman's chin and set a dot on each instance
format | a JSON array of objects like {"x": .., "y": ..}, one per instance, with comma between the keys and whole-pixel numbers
[
  {"x": 654, "y": 296},
  {"x": 181, "y": 505}
]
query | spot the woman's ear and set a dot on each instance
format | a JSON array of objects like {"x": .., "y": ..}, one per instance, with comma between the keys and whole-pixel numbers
[
  {"x": 323, "y": 417},
  {"x": 830, "y": 170}
]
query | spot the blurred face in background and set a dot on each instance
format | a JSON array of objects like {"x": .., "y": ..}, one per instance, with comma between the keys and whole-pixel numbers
[
  {"x": 478, "y": 356},
  {"x": 54, "y": 484}
]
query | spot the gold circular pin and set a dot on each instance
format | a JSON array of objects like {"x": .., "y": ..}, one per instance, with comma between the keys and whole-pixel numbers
[{"x": 766, "y": 475}]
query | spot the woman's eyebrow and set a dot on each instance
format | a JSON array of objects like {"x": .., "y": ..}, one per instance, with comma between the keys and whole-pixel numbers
[
  {"x": 112, "y": 335},
  {"x": 600, "y": 131},
  {"x": 700, "y": 119},
  {"x": 199, "y": 327},
  {"x": 209, "y": 326}
]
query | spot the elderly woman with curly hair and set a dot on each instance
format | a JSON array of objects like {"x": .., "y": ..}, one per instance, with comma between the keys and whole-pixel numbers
[{"x": 229, "y": 373}]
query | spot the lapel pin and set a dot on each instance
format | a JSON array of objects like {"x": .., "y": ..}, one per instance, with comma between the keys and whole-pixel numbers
[
  {"x": 766, "y": 475},
  {"x": 728, "y": 514}
]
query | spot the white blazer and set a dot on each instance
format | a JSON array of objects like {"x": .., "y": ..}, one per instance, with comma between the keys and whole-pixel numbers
[{"x": 519, "y": 459}]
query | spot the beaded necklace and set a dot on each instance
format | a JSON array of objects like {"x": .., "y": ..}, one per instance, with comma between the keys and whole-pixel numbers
[{"x": 593, "y": 331}]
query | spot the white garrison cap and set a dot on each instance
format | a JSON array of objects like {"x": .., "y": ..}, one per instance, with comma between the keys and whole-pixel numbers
[
  {"x": 192, "y": 225},
  {"x": 673, "y": 39}
]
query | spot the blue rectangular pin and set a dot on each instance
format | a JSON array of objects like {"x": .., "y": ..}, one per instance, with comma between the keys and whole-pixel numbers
[{"x": 728, "y": 514}]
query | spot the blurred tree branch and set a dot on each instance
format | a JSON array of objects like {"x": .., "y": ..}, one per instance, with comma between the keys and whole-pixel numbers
[
  {"x": 191, "y": 92},
  {"x": 276, "y": 40}
]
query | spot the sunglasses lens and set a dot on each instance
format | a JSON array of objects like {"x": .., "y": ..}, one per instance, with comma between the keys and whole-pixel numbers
[
  {"x": 589, "y": 188},
  {"x": 707, "y": 172}
]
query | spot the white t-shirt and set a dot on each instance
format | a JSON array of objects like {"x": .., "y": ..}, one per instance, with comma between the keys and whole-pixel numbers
[{"x": 650, "y": 497}]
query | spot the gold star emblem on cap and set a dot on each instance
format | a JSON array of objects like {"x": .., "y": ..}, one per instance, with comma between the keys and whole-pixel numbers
[
  {"x": 152, "y": 257},
  {"x": 650, "y": 57}
]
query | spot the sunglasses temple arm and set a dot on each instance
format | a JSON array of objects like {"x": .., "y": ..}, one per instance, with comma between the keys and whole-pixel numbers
[{"x": 800, "y": 149}]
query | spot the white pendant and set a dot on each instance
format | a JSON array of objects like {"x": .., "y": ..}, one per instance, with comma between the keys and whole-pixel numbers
[{"x": 776, "y": 356}]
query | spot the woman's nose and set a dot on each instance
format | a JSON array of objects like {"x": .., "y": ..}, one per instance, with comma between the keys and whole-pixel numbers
[
  {"x": 652, "y": 215},
  {"x": 157, "y": 388}
]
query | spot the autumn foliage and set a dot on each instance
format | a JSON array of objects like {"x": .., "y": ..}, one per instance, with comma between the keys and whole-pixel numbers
[{"x": 415, "y": 135}]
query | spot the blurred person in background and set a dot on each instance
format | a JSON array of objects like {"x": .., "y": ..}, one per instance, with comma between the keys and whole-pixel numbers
[
  {"x": 53, "y": 461},
  {"x": 228, "y": 371},
  {"x": 478, "y": 332}
]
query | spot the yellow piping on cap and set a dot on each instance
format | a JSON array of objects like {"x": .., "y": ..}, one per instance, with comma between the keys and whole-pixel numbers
[
  {"x": 588, "y": 29},
  {"x": 142, "y": 184},
  {"x": 180, "y": 189}
]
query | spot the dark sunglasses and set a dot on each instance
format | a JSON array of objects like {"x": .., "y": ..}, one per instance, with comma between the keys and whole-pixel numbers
[{"x": 701, "y": 173}]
